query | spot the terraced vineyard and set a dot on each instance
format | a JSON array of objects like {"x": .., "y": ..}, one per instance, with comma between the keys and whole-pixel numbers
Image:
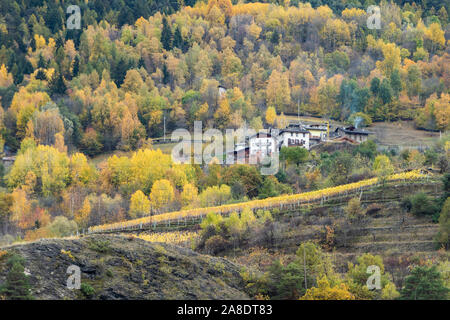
[
  {"x": 285, "y": 203},
  {"x": 389, "y": 230}
]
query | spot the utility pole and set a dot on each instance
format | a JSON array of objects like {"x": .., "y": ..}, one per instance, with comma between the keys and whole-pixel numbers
[
  {"x": 328, "y": 129},
  {"x": 164, "y": 112},
  {"x": 304, "y": 266}
]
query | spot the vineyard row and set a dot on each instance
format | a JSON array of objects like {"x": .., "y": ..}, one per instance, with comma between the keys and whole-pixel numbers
[{"x": 266, "y": 204}]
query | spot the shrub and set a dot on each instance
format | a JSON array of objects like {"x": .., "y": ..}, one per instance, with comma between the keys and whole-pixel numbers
[
  {"x": 446, "y": 182},
  {"x": 367, "y": 149},
  {"x": 216, "y": 244},
  {"x": 424, "y": 283},
  {"x": 212, "y": 219},
  {"x": 324, "y": 291},
  {"x": 421, "y": 204},
  {"x": 287, "y": 282},
  {"x": 357, "y": 277},
  {"x": 353, "y": 210},
  {"x": 63, "y": 227},
  {"x": 6, "y": 240},
  {"x": 373, "y": 209},
  {"x": 206, "y": 233},
  {"x": 101, "y": 246},
  {"x": 443, "y": 237},
  {"x": 87, "y": 290},
  {"x": 406, "y": 204}
]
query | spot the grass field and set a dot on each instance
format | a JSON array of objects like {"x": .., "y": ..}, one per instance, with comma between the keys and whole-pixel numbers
[{"x": 402, "y": 134}]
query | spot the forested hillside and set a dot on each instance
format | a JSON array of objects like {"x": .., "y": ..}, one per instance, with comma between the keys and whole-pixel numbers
[
  {"x": 82, "y": 113},
  {"x": 108, "y": 87},
  {"x": 290, "y": 58}
]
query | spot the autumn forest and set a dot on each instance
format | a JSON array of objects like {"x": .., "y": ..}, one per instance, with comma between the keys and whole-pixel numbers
[{"x": 85, "y": 113}]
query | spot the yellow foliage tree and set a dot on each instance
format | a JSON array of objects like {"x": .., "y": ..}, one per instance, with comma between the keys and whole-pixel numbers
[
  {"x": 162, "y": 193},
  {"x": 189, "y": 195},
  {"x": 324, "y": 291},
  {"x": 50, "y": 166},
  {"x": 24, "y": 104},
  {"x": 271, "y": 115},
  {"x": 223, "y": 6},
  {"x": 132, "y": 132},
  {"x": 21, "y": 209},
  {"x": 435, "y": 36},
  {"x": 278, "y": 92},
  {"x": 442, "y": 112},
  {"x": 59, "y": 143},
  {"x": 254, "y": 30},
  {"x": 436, "y": 113},
  {"x": 82, "y": 216},
  {"x": 6, "y": 79},
  {"x": 202, "y": 112},
  {"x": 223, "y": 113},
  {"x": 139, "y": 205},
  {"x": 391, "y": 60},
  {"x": 383, "y": 167},
  {"x": 81, "y": 172},
  {"x": 334, "y": 33}
]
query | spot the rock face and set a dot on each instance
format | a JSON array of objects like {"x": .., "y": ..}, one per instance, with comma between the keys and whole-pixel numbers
[{"x": 117, "y": 267}]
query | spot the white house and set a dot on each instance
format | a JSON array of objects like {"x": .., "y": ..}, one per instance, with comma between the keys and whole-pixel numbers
[
  {"x": 294, "y": 136},
  {"x": 261, "y": 145}
]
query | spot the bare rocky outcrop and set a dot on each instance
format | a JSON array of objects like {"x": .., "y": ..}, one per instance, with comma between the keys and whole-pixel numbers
[{"x": 117, "y": 267}]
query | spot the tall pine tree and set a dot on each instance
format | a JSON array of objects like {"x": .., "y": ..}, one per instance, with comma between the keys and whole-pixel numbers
[
  {"x": 424, "y": 283},
  {"x": 41, "y": 63},
  {"x": 177, "y": 39},
  {"x": 166, "y": 35},
  {"x": 57, "y": 85},
  {"x": 17, "y": 286},
  {"x": 76, "y": 67},
  {"x": 166, "y": 74},
  {"x": 396, "y": 82}
]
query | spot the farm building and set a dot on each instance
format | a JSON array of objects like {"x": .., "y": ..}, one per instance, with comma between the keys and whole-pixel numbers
[{"x": 355, "y": 134}]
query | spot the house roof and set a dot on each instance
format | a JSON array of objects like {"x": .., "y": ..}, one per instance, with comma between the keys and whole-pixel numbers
[
  {"x": 294, "y": 127},
  {"x": 353, "y": 130},
  {"x": 235, "y": 151},
  {"x": 261, "y": 135},
  {"x": 316, "y": 127},
  {"x": 301, "y": 130}
]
